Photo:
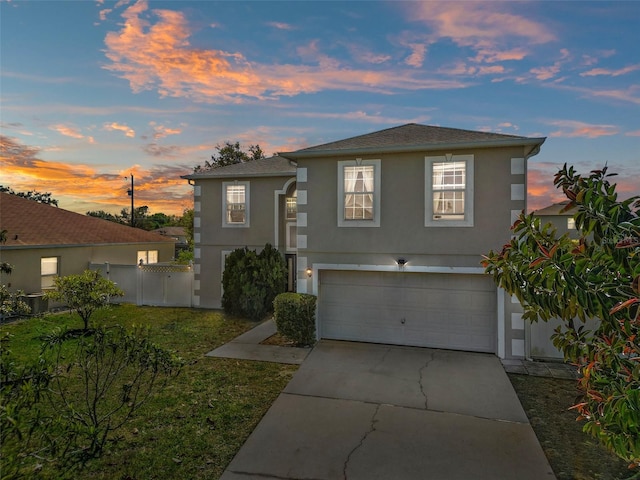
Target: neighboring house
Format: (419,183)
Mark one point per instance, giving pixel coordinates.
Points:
(539,333)
(178,234)
(43,241)
(387,229)
(562,220)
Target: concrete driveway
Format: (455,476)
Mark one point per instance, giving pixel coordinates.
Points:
(362,411)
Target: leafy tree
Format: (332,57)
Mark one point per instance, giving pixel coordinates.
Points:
(595,276)
(187,223)
(230,154)
(105,216)
(32,195)
(68,404)
(84,293)
(21,389)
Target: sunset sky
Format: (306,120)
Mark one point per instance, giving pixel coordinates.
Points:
(94,91)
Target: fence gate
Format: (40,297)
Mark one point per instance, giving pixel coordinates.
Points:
(155,284)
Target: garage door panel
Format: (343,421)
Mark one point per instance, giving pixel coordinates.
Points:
(431,310)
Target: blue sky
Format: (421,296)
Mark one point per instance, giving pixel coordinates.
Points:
(92,92)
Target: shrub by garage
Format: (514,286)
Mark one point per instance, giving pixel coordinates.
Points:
(295,317)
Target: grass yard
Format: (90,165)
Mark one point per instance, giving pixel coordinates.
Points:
(192,428)
(573,455)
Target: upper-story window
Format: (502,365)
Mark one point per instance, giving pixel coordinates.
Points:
(571,223)
(359,193)
(449,191)
(292,205)
(235,204)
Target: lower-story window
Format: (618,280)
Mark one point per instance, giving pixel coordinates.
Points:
(147,256)
(48,271)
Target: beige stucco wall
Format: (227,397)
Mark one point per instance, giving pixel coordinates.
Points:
(499,195)
(402,230)
(72,260)
(211,239)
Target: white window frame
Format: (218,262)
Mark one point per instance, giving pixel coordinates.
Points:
(429,221)
(571,223)
(47,272)
(293,198)
(247,202)
(375,221)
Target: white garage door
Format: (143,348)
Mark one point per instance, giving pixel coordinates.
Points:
(435,310)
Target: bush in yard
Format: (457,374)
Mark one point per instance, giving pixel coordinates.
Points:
(21,389)
(295,317)
(94,384)
(251,281)
(594,277)
(84,293)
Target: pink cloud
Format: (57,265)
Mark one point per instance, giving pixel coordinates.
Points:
(611,73)
(67,131)
(487,55)
(160,131)
(159,56)
(572,128)
(416,59)
(478,24)
(114,126)
(281,26)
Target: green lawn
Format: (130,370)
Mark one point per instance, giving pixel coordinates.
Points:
(192,428)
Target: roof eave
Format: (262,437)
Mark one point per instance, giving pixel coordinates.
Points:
(205,176)
(429,147)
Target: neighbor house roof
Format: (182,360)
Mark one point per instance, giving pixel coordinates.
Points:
(415,137)
(170,231)
(274,166)
(556,209)
(29,223)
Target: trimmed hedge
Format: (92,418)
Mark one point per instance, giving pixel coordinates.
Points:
(295,317)
(251,281)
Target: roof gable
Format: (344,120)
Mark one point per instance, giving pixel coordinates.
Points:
(556,209)
(413,137)
(29,223)
(274,166)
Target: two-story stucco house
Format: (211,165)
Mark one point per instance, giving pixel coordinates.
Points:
(387,229)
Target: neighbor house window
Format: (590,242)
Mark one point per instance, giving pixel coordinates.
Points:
(571,223)
(292,205)
(359,193)
(48,271)
(146,257)
(449,191)
(235,201)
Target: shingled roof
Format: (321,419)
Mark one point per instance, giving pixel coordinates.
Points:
(29,223)
(556,209)
(413,137)
(274,166)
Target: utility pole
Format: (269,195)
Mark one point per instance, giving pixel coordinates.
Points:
(130,193)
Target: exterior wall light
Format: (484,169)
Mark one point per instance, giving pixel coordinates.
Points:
(309,272)
(401,263)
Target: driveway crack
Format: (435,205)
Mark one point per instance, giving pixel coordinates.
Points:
(372,428)
(421,381)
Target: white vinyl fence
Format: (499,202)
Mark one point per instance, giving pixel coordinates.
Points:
(165,285)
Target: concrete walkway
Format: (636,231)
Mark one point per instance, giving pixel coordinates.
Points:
(247,347)
(363,411)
